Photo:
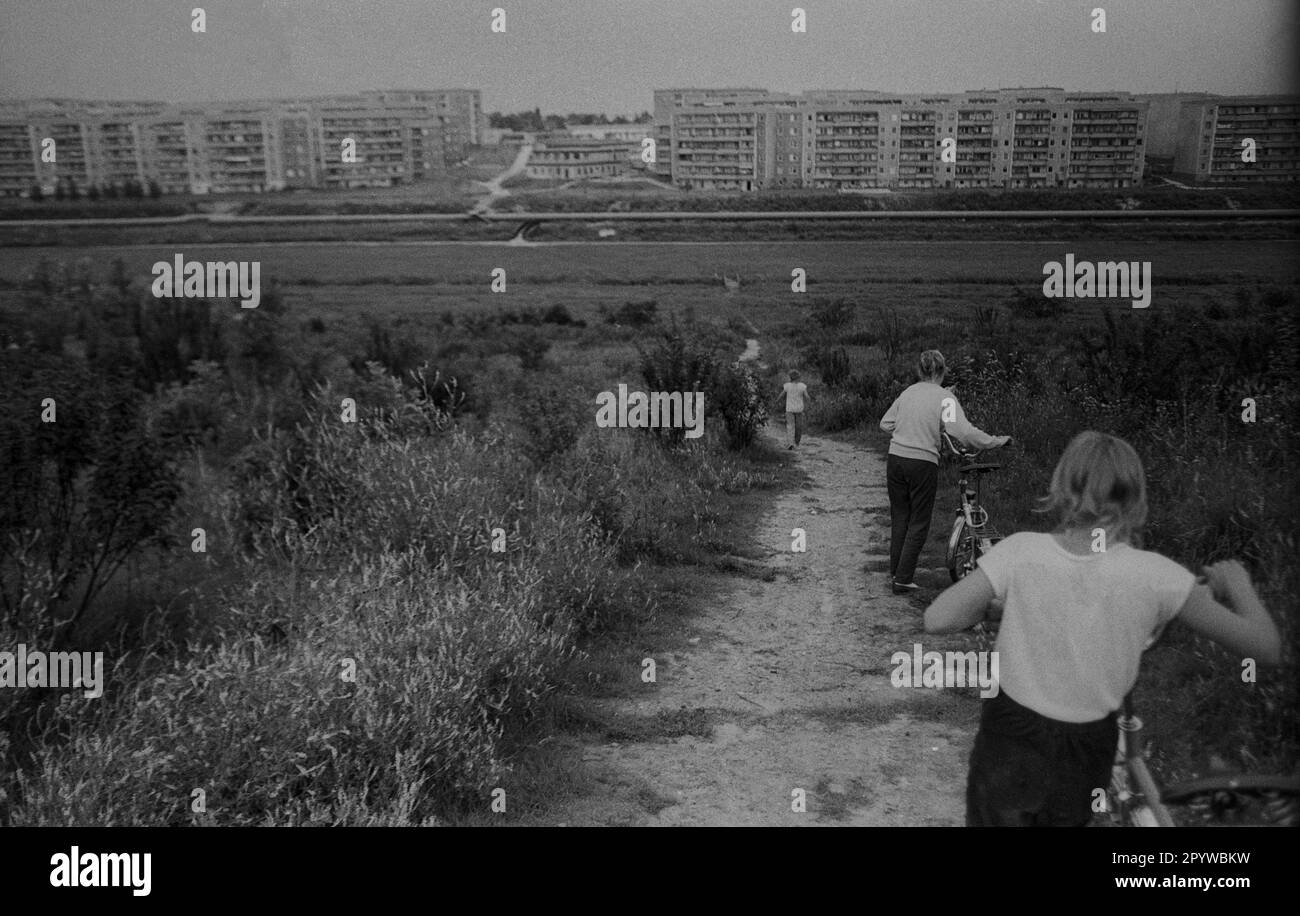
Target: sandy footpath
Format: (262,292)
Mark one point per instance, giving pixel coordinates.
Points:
(786,685)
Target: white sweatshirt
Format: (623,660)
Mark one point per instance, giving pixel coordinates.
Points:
(916,419)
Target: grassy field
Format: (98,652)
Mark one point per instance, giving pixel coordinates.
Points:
(350,283)
(568,325)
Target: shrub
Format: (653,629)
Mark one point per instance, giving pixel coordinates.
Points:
(276,736)
(549,421)
(196,412)
(400,355)
(609,470)
(531,346)
(833,364)
(1032,304)
(80,495)
(739,398)
(677,362)
(891,332)
(860,401)
(637,314)
(559,314)
(833,314)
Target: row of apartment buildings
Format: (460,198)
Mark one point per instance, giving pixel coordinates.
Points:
(371,139)
(714,139)
(751,139)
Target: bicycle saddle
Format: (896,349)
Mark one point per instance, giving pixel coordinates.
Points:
(978,468)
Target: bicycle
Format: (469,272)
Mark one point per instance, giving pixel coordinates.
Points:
(972,535)
(1134,799)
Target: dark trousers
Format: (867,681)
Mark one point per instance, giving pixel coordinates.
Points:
(1027,770)
(911,483)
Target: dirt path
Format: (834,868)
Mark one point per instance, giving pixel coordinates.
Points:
(493,187)
(787,685)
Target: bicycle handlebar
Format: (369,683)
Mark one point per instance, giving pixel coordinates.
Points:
(969,454)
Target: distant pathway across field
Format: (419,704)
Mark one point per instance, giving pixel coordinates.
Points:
(493,187)
(785,684)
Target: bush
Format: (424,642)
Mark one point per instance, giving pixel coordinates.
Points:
(399,355)
(1032,304)
(531,346)
(610,472)
(559,314)
(739,398)
(677,362)
(833,365)
(859,402)
(637,314)
(833,314)
(891,332)
(199,411)
(278,736)
(549,422)
(81,494)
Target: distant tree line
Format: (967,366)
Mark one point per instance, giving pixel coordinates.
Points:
(535,121)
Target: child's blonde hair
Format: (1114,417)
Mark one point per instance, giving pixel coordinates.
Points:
(931,366)
(1099,482)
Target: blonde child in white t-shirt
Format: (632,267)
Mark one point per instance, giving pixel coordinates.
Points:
(796,396)
(1080,605)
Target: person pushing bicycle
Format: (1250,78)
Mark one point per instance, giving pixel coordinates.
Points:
(1080,605)
(917,419)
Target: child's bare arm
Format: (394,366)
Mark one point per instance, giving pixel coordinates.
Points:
(961,606)
(1245,626)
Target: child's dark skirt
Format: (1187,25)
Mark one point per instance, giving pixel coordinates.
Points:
(1031,771)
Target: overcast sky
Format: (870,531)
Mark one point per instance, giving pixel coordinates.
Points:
(608,55)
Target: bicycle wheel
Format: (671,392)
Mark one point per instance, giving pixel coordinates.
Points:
(963,550)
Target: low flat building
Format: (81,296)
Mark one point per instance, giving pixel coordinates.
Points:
(623,133)
(563,159)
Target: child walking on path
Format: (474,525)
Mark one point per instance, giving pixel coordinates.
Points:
(1080,605)
(796,395)
(917,419)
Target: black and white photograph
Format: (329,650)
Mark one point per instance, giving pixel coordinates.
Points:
(585,413)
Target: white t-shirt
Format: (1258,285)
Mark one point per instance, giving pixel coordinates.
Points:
(1074,626)
(794,392)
